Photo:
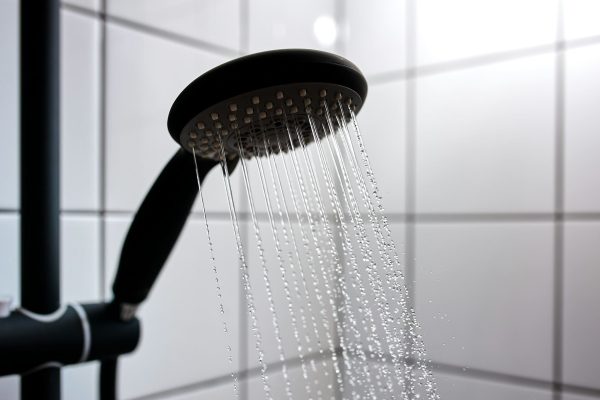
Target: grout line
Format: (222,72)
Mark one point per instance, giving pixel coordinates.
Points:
(102,150)
(154,31)
(434,218)
(558,299)
(244,375)
(478,61)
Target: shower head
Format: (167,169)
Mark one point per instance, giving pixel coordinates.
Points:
(219,115)
(229,106)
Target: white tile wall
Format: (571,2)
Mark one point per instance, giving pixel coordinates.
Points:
(80,63)
(382,124)
(274,24)
(182,341)
(81,382)
(581,319)
(80,258)
(9,104)
(216,22)
(448,31)
(145,74)
(376,35)
(580,18)
(484,295)
(9,387)
(485,138)
(9,248)
(582,92)
(452,387)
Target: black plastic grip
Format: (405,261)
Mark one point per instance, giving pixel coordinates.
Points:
(27,342)
(156,227)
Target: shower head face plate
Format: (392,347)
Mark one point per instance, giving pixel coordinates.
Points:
(261,103)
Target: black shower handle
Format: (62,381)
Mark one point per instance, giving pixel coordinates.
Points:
(156,228)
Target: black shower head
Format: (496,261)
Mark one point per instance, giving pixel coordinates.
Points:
(259,93)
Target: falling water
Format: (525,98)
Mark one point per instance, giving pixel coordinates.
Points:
(221,308)
(352,331)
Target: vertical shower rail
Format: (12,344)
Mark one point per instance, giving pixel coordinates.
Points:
(40,236)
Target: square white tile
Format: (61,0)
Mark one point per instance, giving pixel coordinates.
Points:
(145,74)
(183,341)
(9,104)
(81,382)
(582,124)
(581,321)
(10,250)
(274,24)
(80,259)
(485,138)
(79,152)
(453,387)
(376,35)
(580,18)
(484,295)
(10,387)
(448,31)
(382,124)
(216,23)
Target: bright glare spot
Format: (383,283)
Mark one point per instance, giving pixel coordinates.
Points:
(325,30)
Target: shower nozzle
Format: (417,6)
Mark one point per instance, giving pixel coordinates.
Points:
(223,110)
(233,110)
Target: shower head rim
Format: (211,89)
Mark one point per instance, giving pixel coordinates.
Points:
(258,71)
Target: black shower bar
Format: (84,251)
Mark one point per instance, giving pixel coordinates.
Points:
(41,336)
(40,276)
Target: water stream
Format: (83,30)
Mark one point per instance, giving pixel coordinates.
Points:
(334,289)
